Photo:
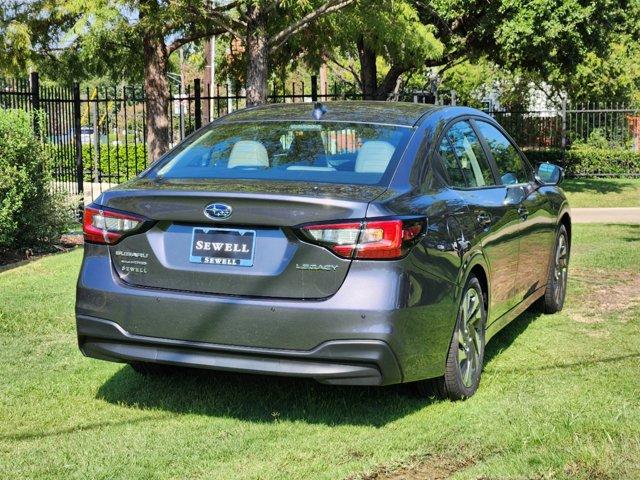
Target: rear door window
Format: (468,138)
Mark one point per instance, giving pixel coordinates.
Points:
(512,169)
(464,145)
(451,165)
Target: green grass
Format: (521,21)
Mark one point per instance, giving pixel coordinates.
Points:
(558,398)
(602,192)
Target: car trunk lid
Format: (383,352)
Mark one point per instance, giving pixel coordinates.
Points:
(254,252)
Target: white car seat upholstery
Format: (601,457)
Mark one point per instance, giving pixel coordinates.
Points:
(374,157)
(248,153)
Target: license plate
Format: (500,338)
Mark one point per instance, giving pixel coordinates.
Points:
(223,246)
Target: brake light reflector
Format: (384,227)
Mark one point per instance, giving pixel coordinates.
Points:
(381,239)
(101,225)
(373,240)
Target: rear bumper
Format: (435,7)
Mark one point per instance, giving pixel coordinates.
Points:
(339,362)
(388,306)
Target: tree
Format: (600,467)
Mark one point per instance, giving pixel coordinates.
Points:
(387,39)
(265,26)
(113,37)
(546,39)
(614,76)
(14,40)
(108,37)
(543,41)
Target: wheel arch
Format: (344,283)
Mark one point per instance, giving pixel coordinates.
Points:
(479,272)
(565,219)
(476,265)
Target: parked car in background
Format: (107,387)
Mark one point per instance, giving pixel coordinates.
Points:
(361,243)
(86,135)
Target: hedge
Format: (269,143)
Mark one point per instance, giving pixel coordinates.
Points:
(597,161)
(587,160)
(117,164)
(31,216)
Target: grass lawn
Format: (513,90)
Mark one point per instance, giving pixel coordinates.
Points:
(558,398)
(602,192)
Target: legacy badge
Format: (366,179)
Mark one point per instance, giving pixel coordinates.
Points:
(313,266)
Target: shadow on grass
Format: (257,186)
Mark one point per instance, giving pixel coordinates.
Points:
(258,398)
(632,229)
(505,337)
(265,399)
(595,185)
(77,428)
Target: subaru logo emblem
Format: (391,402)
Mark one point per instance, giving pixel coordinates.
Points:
(218,211)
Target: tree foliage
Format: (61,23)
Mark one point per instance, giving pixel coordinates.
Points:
(583,47)
(390,30)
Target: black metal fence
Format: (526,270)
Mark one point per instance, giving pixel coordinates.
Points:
(614,122)
(56,127)
(97,138)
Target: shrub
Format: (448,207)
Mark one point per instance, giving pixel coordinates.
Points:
(30,214)
(117,164)
(589,160)
(585,160)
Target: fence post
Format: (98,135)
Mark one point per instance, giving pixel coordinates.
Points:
(96,140)
(77,134)
(35,101)
(453,98)
(563,139)
(314,88)
(198,103)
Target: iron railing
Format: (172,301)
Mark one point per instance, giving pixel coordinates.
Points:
(96,136)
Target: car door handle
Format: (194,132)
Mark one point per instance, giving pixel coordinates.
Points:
(523,212)
(483,219)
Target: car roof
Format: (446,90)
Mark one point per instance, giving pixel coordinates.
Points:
(391,113)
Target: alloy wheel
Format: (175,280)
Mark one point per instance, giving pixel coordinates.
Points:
(470,337)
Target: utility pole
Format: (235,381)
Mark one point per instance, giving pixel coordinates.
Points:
(209,78)
(211,73)
(182,84)
(323,80)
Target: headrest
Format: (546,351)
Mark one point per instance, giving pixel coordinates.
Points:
(248,153)
(374,156)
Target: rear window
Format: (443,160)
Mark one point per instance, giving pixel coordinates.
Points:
(336,152)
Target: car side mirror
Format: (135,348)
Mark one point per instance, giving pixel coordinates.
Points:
(515,195)
(549,174)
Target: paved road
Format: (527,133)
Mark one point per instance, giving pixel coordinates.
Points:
(606,215)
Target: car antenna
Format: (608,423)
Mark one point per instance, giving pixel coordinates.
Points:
(318,110)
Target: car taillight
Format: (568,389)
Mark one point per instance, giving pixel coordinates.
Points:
(369,239)
(101,225)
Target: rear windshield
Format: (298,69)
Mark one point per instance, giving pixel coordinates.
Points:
(336,152)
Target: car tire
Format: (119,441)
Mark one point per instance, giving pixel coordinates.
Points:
(556,291)
(157,369)
(465,357)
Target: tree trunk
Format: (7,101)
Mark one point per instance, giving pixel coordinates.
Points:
(156,90)
(368,70)
(390,82)
(257,57)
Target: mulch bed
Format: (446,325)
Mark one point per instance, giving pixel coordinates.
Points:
(12,258)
